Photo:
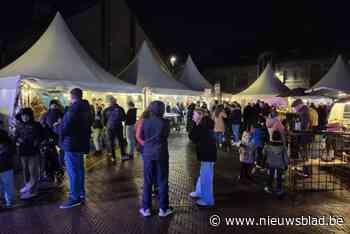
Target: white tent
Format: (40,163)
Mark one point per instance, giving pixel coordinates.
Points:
(56,61)
(193,78)
(336,79)
(266,85)
(147,70)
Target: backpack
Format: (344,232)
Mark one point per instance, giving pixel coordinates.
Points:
(115,117)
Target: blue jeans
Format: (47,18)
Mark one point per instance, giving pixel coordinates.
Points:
(7,185)
(131,139)
(279,181)
(235,132)
(219,137)
(162,175)
(76,173)
(205,181)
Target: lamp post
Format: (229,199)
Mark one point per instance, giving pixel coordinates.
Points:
(173,60)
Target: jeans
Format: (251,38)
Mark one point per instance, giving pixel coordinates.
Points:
(131,139)
(76,173)
(162,174)
(205,181)
(219,137)
(7,186)
(235,132)
(114,134)
(31,167)
(272,172)
(97,138)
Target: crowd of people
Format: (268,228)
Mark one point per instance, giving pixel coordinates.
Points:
(58,142)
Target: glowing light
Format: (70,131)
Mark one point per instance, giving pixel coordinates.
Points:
(173,60)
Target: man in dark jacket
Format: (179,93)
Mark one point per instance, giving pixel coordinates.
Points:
(7,184)
(202,135)
(113,118)
(130,128)
(154,132)
(236,118)
(75,132)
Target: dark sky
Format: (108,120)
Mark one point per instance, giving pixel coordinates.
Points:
(222,32)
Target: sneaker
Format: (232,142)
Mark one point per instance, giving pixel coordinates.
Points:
(69,204)
(201,203)
(28,195)
(267,190)
(194,195)
(24,189)
(9,205)
(145,212)
(165,213)
(125,158)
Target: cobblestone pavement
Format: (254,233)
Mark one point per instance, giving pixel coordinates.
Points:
(114,192)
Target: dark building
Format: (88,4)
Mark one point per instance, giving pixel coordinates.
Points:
(106,29)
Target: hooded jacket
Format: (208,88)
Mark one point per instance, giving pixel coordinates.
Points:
(276,155)
(203,136)
(75,129)
(155,132)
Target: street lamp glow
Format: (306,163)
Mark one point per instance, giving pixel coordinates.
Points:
(173,60)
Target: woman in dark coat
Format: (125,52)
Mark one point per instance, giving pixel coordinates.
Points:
(203,136)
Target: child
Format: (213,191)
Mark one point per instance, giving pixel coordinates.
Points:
(28,137)
(6,168)
(203,136)
(246,154)
(277,160)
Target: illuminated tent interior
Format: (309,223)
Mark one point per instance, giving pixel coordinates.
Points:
(147,70)
(266,86)
(52,66)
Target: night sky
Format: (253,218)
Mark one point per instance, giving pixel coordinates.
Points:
(222,32)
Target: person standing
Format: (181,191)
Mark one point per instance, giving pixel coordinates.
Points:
(113,118)
(155,132)
(75,131)
(203,136)
(7,184)
(219,117)
(277,159)
(97,129)
(130,128)
(28,136)
(236,117)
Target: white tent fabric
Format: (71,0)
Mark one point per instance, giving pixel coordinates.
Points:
(337,78)
(192,78)
(146,71)
(57,59)
(266,85)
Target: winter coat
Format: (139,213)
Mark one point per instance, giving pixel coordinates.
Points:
(276,155)
(236,116)
(203,136)
(155,132)
(113,117)
(246,149)
(28,137)
(131,117)
(304,118)
(219,122)
(313,116)
(7,151)
(48,120)
(75,129)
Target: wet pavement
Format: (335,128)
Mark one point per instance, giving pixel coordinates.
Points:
(114,193)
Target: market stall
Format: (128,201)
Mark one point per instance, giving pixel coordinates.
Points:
(265,87)
(55,64)
(148,71)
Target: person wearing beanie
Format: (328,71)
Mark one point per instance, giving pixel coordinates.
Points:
(155,131)
(277,160)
